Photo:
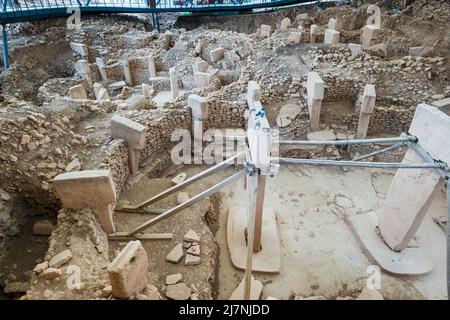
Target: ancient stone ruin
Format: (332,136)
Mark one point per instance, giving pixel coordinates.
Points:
(298,154)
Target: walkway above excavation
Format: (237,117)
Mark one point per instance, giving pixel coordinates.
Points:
(22,10)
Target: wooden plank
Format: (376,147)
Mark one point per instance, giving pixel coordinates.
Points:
(144,236)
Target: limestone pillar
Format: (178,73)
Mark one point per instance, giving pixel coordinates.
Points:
(151,66)
(314,31)
(315,90)
(89,188)
(101,69)
(79,48)
(84,70)
(285,24)
(134,134)
(266,31)
(367,108)
(295,37)
(217,54)
(127,72)
(77,92)
(101,94)
(412,190)
(369,36)
(199,110)
(173,83)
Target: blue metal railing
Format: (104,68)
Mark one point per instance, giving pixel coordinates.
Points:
(25,10)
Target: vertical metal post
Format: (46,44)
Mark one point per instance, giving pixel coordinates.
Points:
(259,212)
(447,180)
(153,19)
(157,22)
(5,49)
(252,188)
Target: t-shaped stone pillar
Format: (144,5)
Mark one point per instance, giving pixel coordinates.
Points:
(367,108)
(79,48)
(266,30)
(134,134)
(101,94)
(331,36)
(369,36)
(89,188)
(151,66)
(315,90)
(127,72)
(285,24)
(128,271)
(412,190)
(314,31)
(101,69)
(82,67)
(199,109)
(173,83)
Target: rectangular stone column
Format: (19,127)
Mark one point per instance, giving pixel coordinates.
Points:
(77,92)
(315,89)
(295,37)
(199,109)
(331,37)
(101,94)
(127,72)
(84,70)
(89,188)
(369,36)
(266,31)
(134,134)
(253,93)
(285,24)
(217,54)
(412,190)
(367,108)
(151,66)
(173,83)
(101,69)
(79,48)
(314,32)
(128,271)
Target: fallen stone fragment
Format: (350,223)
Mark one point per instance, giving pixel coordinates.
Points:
(60,259)
(51,273)
(176,254)
(179,178)
(173,278)
(73,165)
(43,227)
(40,267)
(370,294)
(178,292)
(182,197)
(17,287)
(191,236)
(192,260)
(194,250)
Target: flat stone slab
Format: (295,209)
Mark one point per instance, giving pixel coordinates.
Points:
(287,113)
(176,254)
(60,259)
(324,135)
(178,291)
(191,236)
(255,290)
(174,278)
(192,260)
(269,258)
(409,261)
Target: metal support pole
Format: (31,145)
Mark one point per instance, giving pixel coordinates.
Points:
(403,138)
(157,23)
(260,192)
(5,49)
(184,205)
(365,156)
(448,237)
(384,165)
(252,184)
(184,184)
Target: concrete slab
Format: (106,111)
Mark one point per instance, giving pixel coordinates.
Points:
(410,261)
(255,290)
(269,258)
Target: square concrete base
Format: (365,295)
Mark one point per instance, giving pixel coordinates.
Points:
(269,258)
(255,290)
(409,261)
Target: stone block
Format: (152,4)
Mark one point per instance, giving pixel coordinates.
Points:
(77,92)
(285,24)
(266,30)
(331,36)
(128,271)
(198,106)
(217,54)
(132,132)
(79,48)
(295,37)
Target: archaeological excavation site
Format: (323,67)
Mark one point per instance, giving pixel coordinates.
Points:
(224,150)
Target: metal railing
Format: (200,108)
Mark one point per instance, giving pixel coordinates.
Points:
(23,10)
